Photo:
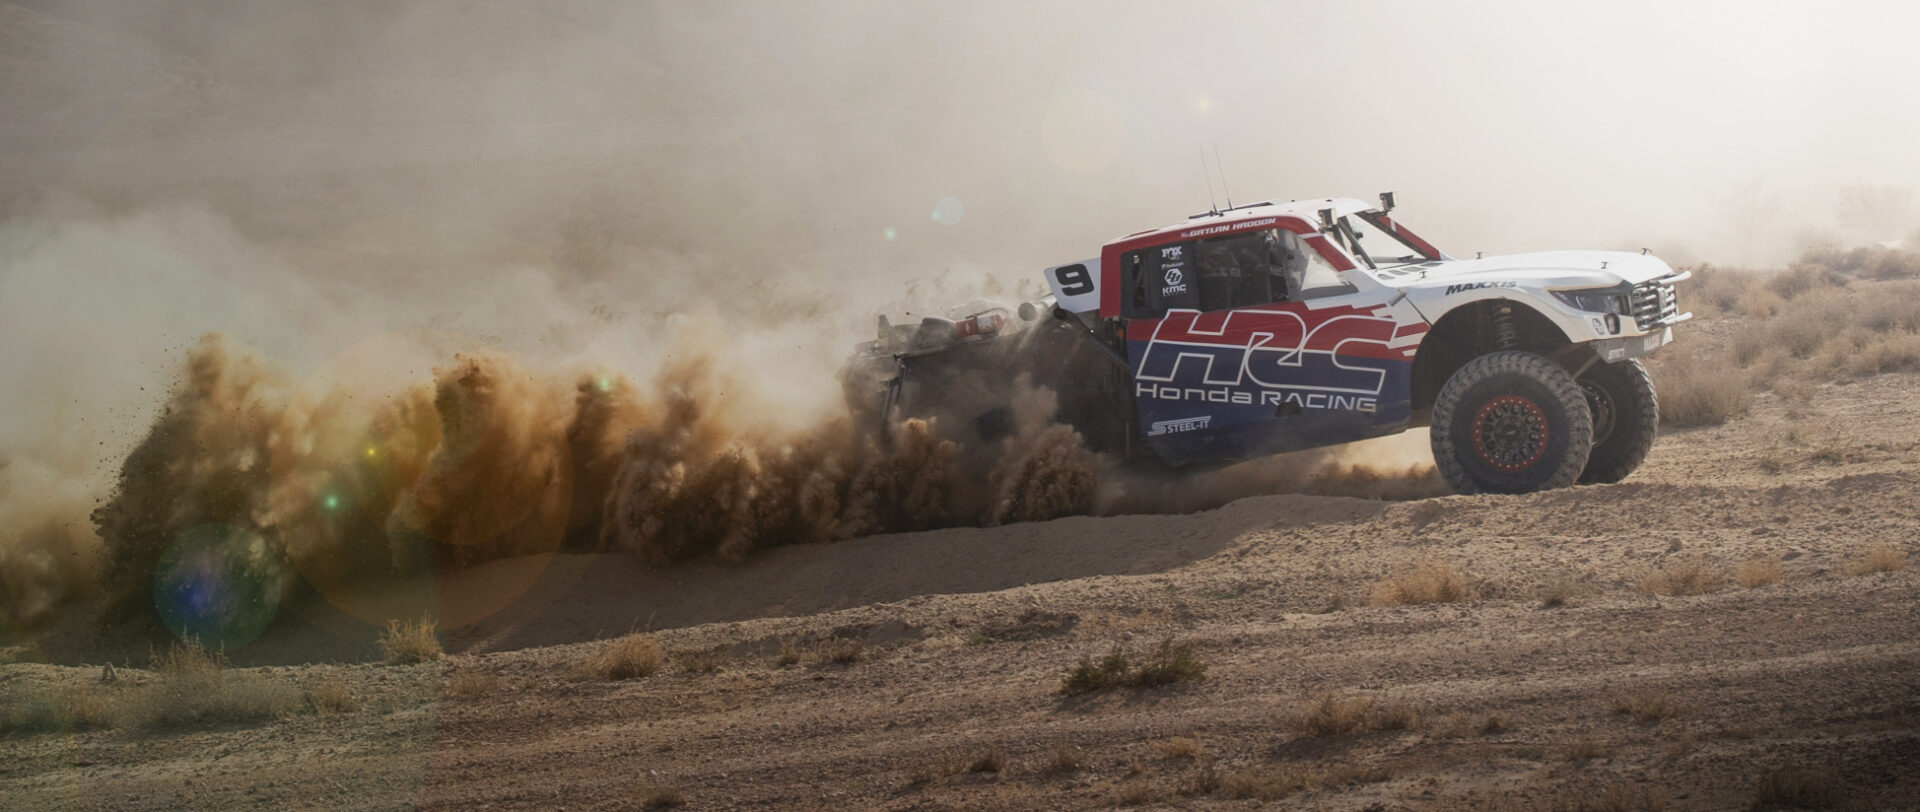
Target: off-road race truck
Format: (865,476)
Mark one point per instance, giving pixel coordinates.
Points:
(1282,326)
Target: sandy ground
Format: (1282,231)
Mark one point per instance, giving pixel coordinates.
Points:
(968,634)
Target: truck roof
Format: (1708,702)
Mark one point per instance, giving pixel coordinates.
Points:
(1307,212)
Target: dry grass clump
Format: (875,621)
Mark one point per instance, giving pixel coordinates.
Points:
(1273,783)
(332,695)
(1620,798)
(472,684)
(1181,747)
(194,687)
(48,710)
(789,654)
(635,655)
(412,641)
(1758,572)
(1879,559)
(1585,750)
(990,759)
(1169,663)
(701,661)
(839,651)
(1429,582)
(1648,704)
(1684,576)
(1790,788)
(1063,760)
(1697,393)
(650,795)
(1337,713)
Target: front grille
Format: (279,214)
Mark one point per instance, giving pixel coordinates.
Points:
(1654,304)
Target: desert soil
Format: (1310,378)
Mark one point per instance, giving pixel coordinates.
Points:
(968,633)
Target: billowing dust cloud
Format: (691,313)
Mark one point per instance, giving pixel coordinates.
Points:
(491,459)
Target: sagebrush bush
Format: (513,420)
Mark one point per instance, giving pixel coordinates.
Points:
(194,687)
(1879,559)
(411,641)
(1428,582)
(1696,393)
(635,655)
(1758,572)
(1336,713)
(1171,662)
(1683,576)
(48,710)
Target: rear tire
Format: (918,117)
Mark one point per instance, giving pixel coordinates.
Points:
(1626,416)
(1511,422)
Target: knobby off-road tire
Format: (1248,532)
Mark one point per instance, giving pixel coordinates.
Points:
(1511,422)
(1626,416)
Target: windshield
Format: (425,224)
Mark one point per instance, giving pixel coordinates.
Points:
(1378,247)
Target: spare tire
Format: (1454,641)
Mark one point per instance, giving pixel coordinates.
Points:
(1626,416)
(1511,422)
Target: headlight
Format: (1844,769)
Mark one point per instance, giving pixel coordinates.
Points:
(1601,300)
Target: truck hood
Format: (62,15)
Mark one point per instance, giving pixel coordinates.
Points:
(1555,270)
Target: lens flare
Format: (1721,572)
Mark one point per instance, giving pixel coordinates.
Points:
(948,211)
(218,586)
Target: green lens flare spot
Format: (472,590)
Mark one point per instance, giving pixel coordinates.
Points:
(332,502)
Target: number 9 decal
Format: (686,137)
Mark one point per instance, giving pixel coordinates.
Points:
(1074,279)
(1076,285)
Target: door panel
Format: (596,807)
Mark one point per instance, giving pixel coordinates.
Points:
(1217,387)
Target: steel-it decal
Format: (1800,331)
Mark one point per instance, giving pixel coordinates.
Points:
(1180,425)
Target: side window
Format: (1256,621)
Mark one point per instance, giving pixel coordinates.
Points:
(1242,270)
(1309,275)
(1159,279)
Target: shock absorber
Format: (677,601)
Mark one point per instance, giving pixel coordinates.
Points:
(1505,335)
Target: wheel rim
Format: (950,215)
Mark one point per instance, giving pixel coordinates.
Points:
(1510,433)
(1601,404)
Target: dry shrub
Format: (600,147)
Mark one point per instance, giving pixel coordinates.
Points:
(991,760)
(1561,593)
(1879,559)
(1621,798)
(1648,704)
(1169,663)
(194,687)
(1349,775)
(1790,788)
(635,655)
(1685,745)
(789,654)
(1336,713)
(650,795)
(1141,793)
(839,651)
(1686,576)
(1429,582)
(1181,747)
(1699,393)
(1585,750)
(1716,291)
(701,661)
(472,684)
(1264,783)
(1758,572)
(409,642)
(332,695)
(48,710)
(1063,760)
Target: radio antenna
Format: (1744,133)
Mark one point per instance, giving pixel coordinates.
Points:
(1223,172)
(1211,205)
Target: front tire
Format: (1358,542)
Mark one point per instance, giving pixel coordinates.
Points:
(1626,416)
(1511,422)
